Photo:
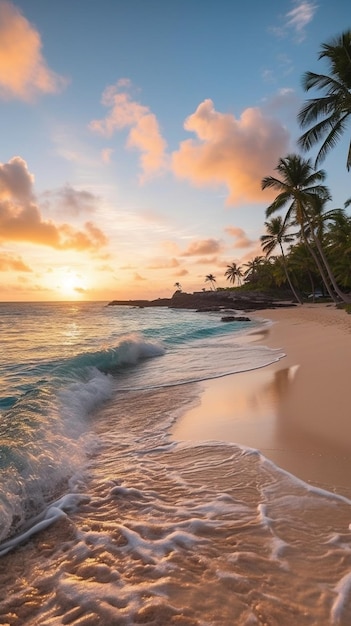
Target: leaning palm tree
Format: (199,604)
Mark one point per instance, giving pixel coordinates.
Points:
(319,218)
(211,279)
(234,273)
(329,114)
(300,187)
(178,286)
(277,235)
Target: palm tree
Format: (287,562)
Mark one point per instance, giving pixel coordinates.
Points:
(178,286)
(301,262)
(300,186)
(233,273)
(338,246)
(276,236)
(331,113)
(253,266)
(211,279)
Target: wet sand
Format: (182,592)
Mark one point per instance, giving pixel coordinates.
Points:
(297,411)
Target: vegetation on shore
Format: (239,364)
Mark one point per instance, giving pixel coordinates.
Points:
(314,242)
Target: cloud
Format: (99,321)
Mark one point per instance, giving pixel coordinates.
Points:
(300,16)
(8,262)
(144,134)
(106,155)
(160,264)
(204,246)
(23,70)
(241,239)
(21,219)
(296,20)
(91,238)
(138,278)
(15,180)
(206,261)
(127,267)
(234,152)
(284,99)
(72,201)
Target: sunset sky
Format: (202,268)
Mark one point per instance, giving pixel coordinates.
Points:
(135,135)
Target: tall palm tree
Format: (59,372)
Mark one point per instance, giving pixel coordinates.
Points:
(178,286)
(300,187)
(234,273)
(277,235)
(211,279)
(329,114)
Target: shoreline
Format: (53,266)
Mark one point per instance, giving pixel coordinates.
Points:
(295,411)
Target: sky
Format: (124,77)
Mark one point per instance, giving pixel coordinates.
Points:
(135,135)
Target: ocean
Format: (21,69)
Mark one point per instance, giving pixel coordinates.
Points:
(105,519)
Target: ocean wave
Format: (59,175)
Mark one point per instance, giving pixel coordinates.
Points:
(45,435)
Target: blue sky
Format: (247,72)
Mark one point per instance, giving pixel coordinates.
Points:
(135,135)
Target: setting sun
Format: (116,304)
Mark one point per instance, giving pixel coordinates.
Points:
(69,283)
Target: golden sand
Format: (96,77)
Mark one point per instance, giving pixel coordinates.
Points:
(297,411)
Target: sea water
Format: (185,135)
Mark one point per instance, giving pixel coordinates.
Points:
(106,520)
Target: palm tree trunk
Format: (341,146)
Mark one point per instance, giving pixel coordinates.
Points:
(344,297)
(288,277)
(319,265)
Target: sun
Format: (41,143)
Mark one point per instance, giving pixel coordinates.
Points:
(71,284)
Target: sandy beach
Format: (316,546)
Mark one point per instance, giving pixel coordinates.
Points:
(297,411)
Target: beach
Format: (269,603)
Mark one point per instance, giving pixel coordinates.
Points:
(295,411)
(162,467)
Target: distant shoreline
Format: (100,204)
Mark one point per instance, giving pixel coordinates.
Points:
(210,300)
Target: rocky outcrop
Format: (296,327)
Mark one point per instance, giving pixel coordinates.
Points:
(210,301)
(234,318)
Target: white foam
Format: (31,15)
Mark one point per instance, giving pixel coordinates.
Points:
(57,510)
(342,600)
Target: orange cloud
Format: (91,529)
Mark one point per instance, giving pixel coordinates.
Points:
(23,70)
(206,261)
(92,238)
(234,152)
(21,220)
(137,277)
(241,239)
(163,264)
(205,246)
(144,134)
(8,262)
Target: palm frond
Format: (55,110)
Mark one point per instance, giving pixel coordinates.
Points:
(270,181)
(279,202)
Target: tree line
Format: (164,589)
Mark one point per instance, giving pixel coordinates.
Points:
(317,240)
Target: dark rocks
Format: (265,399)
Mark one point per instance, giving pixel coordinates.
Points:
(209,301)
(234,318)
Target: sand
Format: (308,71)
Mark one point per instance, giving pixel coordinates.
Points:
(297,411)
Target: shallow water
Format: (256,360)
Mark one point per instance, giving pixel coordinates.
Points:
(144,529)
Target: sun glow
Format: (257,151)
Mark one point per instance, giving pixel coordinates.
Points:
(70,283)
